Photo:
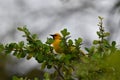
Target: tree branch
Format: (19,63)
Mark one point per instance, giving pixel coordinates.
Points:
(58,70)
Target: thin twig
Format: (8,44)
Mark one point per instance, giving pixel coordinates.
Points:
(58,70)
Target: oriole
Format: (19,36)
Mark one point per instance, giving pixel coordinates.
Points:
(56,43)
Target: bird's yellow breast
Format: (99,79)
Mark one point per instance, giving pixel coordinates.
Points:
(56,45)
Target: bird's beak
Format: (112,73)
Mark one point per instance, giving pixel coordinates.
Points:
(52,35)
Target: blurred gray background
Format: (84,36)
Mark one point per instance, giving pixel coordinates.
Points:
(45,17)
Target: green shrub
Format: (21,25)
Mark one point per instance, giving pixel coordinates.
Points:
(101,62)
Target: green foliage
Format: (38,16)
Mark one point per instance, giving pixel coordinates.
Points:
(1,48)
(101,62)
(65,32)
(21,78)
(104,47)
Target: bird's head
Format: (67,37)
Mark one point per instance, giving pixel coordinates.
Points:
(56,36)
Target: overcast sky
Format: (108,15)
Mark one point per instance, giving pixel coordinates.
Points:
(45,17)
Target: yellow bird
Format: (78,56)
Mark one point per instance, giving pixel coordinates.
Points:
(56,43)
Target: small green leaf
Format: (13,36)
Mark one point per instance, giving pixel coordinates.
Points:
(68,56)
(15,78)
(87,49)
(19,55)
(96,42)
(106,34)
(26,31)
(96,56)
(100,17)
(1,47)
(43,65)
(113,43)
(70,42)
(20,29)
(49,41)
(40,57)
(35,36)
(78,42)
(15,53)
(36,78)
(29,56)
(47,76)
(99,34)
(49,66)
(65,32)
(21,44)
